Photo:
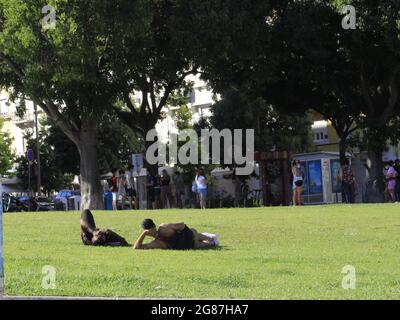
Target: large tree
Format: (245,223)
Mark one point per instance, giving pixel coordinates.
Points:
(374,50)
(181,37)
(351,76)
(315,71)
(155,67)
(68,70)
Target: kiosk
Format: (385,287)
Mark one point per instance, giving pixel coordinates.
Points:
(320,171)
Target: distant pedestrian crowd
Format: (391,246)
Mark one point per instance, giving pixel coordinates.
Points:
(122,187)
(390,184)
(345,177)
(166,192)
(162,191)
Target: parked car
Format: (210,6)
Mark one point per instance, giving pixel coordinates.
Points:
(13,204)
(36,204)
(62,198)
(45,204)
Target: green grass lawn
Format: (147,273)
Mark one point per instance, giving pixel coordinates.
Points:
(266,253)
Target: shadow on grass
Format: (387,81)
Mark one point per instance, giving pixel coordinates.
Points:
(219,248)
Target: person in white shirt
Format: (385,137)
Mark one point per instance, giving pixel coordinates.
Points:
(122,182)
(201,184)
(130,189)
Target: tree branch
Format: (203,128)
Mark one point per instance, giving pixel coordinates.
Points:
(49,108)
(14,67)
(365,93)
(153,97)
(129,120)
(52,111)
(167,93)
(394,95)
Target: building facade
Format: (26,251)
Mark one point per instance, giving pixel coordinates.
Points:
(16,125)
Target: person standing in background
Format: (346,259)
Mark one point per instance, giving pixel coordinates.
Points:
(166,194)
(238,188)
(391,175)
(130,188)
(157,192)
(298,181)
(150,190)
(114,188)
(122,186)
(179,189)
(397,189)
(201,185)
(346,176)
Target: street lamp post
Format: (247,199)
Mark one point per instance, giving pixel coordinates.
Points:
(39,176)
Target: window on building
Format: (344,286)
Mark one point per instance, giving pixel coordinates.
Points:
(3,107)
(320,132)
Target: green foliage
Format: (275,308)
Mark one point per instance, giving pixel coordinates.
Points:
(302,58)
(74,72)
(53,178)
(183,117)
(273,129)
(6,152)
(64,64)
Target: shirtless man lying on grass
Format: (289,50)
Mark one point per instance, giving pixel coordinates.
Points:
(175,236)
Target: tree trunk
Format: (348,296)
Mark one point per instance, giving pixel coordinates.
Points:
(376,174)
(152,168)
(342,149)
(91,190)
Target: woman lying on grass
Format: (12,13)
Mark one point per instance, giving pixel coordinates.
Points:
(175,236)
(92,236)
